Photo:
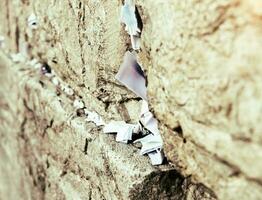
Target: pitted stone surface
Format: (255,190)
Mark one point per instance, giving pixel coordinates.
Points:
(203,64)
(47,152)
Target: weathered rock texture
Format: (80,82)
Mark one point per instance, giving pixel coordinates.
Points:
(203,64)
(48,152)
(204,75)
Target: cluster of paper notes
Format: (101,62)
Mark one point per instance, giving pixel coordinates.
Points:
(131,75)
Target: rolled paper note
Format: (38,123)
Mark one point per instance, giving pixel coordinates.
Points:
(124,131)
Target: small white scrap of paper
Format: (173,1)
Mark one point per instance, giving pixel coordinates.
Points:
(128,17)
(150,143)
(67,89)
(148,120)
(55,81)
(78,103)
(124,131)
(32,21)
(94,117)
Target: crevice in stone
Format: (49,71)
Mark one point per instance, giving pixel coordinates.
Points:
(139,20)
(17,35)
(8,18)
(86,146)
(178,130)
(47,127)
(81,23)
(172,184)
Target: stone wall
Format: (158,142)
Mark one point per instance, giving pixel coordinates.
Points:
(202,61)
(204,73)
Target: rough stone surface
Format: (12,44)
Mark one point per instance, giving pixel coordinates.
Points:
(204,79)
(203,64)
(48,152)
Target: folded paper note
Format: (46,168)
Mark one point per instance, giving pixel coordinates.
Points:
(131,75)
(147,119)
(125,134)
(150,143)
(156,157)
(128,17)
(113,126)
(124,131)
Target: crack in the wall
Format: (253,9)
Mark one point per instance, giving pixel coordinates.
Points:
(17,35)
(81,25)
(215,25)
(48,126)
(8,18)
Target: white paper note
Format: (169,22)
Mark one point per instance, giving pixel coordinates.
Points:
(131,75)
(128,17)
(32,21)
(156,157)
(150,143)
(95,118)
(124,134)
(78,104)
(113,126)
(123,130)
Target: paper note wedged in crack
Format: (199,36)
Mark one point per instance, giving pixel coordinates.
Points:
(131,75)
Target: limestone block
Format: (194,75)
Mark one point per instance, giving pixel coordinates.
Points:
(83,41)
(54,154)
(203,61)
